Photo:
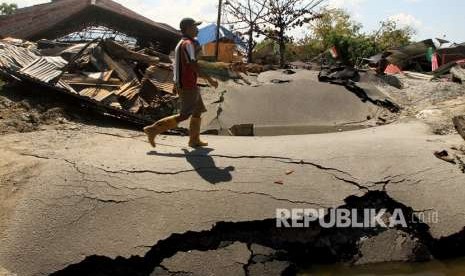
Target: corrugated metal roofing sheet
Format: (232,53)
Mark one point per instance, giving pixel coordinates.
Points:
(98,94)
(14,57)
(162,78)
(45,68)
(26,65)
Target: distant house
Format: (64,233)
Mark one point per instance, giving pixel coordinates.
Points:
(230,46)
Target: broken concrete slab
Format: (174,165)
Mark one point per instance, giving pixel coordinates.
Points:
(4,272)
(273,268)
(72,185)
(458,73)
(314,105)
(397,246)
(229,260)
(459,123)
(268,76)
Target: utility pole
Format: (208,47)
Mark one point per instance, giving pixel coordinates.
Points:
(218,24)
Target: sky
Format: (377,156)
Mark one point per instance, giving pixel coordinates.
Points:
(430,18)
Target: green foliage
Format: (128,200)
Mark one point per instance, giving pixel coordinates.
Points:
(336,28)
(7,9)
(266,51)
(333,24)
(285,15)
(391,36)
(352,49)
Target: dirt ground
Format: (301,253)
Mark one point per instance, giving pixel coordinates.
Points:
(26,109)
(433,102)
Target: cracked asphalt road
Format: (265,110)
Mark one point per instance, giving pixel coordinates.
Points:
(69,194)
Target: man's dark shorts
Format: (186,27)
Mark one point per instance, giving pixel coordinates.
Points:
(191,102)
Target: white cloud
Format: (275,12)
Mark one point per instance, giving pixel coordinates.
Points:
(172,11)
(404,19)
(345,3)
(25,3)
(352,6)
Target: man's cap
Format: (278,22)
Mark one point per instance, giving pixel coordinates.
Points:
(188,22)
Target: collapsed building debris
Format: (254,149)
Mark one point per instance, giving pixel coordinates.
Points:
(428,59)
(59,18)
(103,74)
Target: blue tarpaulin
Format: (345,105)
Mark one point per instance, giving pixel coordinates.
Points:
(208,34)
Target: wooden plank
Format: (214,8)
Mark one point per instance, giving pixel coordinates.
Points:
(120,52)
(122,68)
(95,84)
(108,74)
(163,57)
(79,79)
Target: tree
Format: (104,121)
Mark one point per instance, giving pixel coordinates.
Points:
(285,15)
(334,23)
(390,35)
(335,27)
(247,15)
(7,9)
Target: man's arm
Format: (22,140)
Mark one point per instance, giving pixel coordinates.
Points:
(192,59)
(204,75)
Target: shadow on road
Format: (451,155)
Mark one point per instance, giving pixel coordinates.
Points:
(203,163)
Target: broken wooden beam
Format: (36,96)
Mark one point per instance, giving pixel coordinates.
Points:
(121,67)
(163,57)
(120,52)
(76,79)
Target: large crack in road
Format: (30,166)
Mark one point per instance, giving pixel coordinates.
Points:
(91,189)
(296,246)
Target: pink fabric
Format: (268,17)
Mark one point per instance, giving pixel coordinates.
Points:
(392,70)
(434,62)
(334,52)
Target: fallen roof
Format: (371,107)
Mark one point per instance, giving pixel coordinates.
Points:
(62,17)
(404,54)
(451,54)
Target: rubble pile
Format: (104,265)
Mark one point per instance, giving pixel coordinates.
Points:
(112,78)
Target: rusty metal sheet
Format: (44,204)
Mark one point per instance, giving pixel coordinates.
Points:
(64,85)
(162,78)
(129,90)
(98,94)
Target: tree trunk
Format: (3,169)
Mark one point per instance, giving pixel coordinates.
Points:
(282,48)
(250,45)
(282,52)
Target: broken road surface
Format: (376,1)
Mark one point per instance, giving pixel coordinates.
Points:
(68,195)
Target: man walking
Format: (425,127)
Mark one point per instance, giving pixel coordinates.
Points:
(186,72)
